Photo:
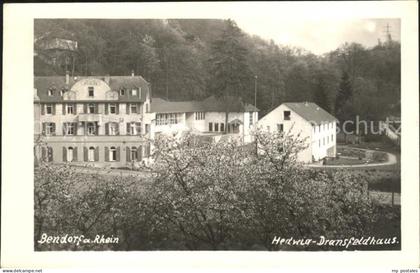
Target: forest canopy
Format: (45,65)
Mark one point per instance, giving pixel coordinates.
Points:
(185,59)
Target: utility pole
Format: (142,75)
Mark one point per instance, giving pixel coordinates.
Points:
(255,91)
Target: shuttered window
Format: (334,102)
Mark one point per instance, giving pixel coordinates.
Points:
(91,154)
(48,128)
(47,154)
(113,154)
(49,109)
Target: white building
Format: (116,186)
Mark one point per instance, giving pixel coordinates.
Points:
(310,122)
(206,117)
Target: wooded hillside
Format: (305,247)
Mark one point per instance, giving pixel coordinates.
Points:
(192,59)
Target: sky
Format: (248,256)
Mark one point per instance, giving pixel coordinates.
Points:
(320,36)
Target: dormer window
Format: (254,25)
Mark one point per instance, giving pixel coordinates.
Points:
(90,91)
(50,92)
(62,91)
(286,115)
(134,92)
(122,92)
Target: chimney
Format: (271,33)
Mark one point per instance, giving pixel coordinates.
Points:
(106,79)
(132,73)
(67,77)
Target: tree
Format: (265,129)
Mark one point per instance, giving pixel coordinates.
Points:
(229,72)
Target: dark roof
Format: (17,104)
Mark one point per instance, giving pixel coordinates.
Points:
(211,104)
(311,112)
(116,83)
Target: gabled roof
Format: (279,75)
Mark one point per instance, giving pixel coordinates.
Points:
(116,83)
(210,104)
(311,112)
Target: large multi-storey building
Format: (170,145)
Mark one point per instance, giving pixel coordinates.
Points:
(98,120)
(106,121)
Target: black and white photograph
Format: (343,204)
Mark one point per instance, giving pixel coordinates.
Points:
(192,134)
(217,133)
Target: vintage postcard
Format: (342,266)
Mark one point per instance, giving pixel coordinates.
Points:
(208,131)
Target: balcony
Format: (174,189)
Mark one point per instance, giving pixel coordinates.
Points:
(100,118)
(90,117)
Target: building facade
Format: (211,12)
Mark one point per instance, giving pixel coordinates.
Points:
(307,121)
(92,120)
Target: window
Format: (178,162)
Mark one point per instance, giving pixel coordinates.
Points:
(147,108)
(91,128)
(51,92)
(222,127)
(134,128)
(280,128)
(49,128)
(122,92)
(49,109)
(133,154)
(133,108)
(173,118)
(91,154)
(332,137)
(91,108)
(90,91)
(251,118)
(47,154)
(210,127)
(62,92)
(200,115)
(134,92)
(216,127)
(113,128)
(70,154)
(286,115)
(70,109)
(113,108)
(147,128)
(113,154)
(69,128)
(165,119)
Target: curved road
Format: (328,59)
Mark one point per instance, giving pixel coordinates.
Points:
(392,159)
